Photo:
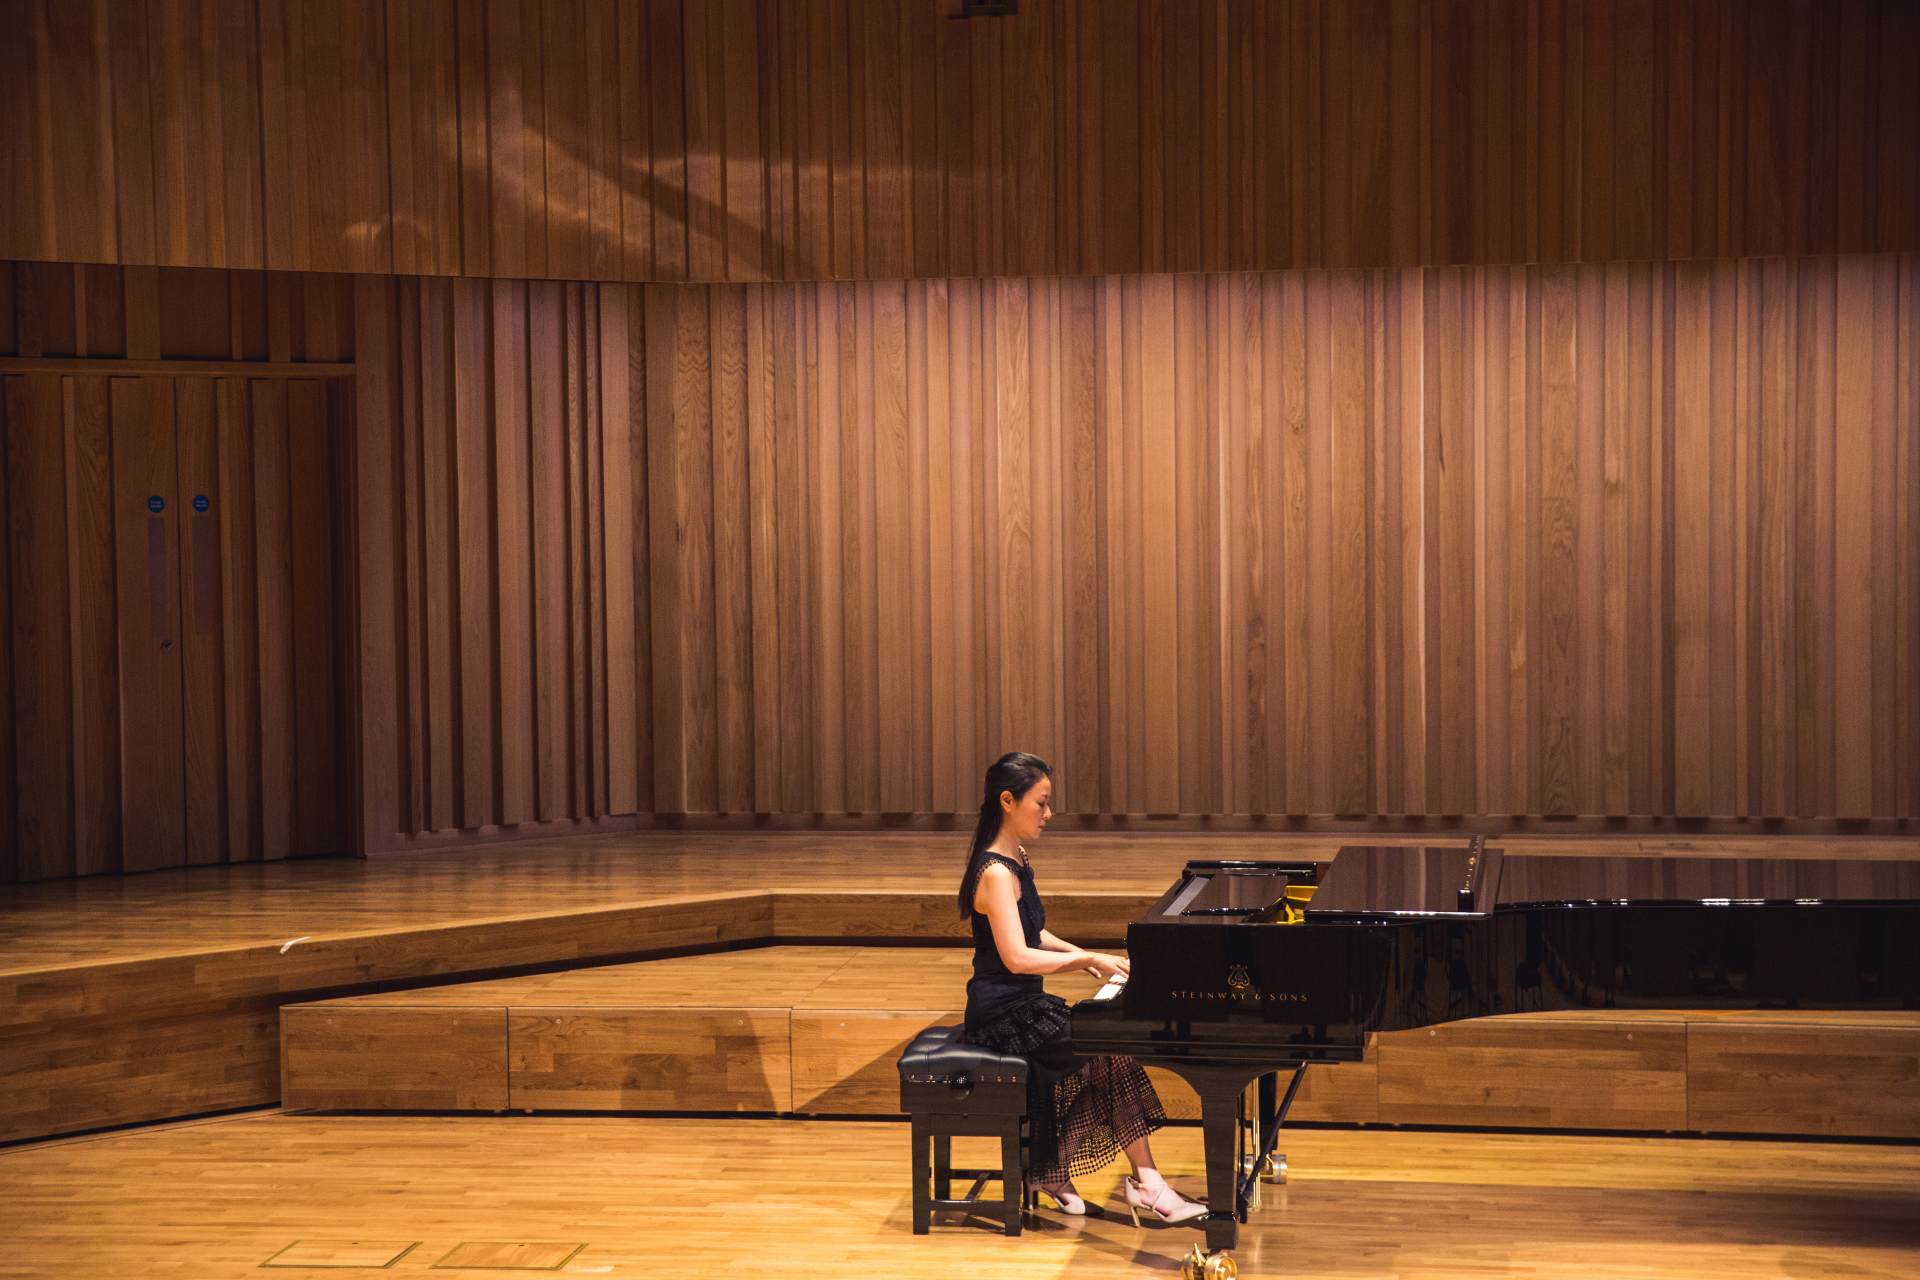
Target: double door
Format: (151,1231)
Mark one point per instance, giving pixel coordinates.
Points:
(174,638)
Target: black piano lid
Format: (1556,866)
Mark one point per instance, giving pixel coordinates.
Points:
(1384,882)
(1547,880)
(1369,881)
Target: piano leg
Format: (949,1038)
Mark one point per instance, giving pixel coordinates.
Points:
(1222,1091)
(1219,1122)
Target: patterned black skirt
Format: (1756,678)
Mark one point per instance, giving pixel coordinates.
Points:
(1081,1111)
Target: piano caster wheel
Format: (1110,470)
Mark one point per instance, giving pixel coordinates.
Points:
(1274,1169)
(1203,1266)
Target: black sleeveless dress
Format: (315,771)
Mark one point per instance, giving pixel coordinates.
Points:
(1082,1111)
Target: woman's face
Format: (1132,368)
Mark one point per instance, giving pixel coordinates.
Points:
(1028,816)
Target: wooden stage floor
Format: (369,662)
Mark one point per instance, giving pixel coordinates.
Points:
(788,1198)
(116,919)
(144,997)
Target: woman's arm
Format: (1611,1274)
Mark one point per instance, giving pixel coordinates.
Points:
(996,896)
(1117,964)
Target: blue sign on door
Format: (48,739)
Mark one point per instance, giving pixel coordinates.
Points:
(156,504)
(200,502)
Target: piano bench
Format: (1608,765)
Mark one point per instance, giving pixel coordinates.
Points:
(951,1090)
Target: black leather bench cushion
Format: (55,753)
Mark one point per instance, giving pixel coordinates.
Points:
(937,1054)
(937,1073)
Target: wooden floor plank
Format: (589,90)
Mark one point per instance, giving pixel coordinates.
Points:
(652,1197)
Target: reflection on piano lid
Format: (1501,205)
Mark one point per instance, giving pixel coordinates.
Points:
(1379,882)
(1238,890)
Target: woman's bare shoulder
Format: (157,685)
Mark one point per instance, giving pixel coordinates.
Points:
(995,878)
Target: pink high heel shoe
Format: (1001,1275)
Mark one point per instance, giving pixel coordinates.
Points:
(1166,1205)
(1065,1199)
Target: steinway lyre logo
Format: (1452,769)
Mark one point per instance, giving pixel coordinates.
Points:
(1237,978)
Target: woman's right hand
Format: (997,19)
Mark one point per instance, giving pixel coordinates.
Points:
(1105,966)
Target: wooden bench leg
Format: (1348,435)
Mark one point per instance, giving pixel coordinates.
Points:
(942,1167)
(922,1201)
(1013,1185)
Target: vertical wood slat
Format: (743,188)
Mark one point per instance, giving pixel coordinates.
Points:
(441,653)
(273,534)
(234,492)
(664,710)
(505,475)
(41,749)
(473,468)
(376,568)
(732,584)
(548,422)
(12,405)
(311,427)
(96,694)
(581,570)
(763,548)
(619,399)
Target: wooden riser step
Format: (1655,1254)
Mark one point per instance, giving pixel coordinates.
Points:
(817,1029)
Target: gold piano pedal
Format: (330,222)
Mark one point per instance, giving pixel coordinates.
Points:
(1274,1168)
(1208,1266)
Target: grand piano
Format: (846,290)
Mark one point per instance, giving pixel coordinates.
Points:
(1247,971)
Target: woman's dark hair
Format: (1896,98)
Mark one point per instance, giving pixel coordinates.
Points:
(1014,772)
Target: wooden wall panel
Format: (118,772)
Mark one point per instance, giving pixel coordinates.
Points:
(1534,1072)
(57,310)
(173,666)
(42,831)
(1627,539)
(564,1059)
(1805,1078)
(738,141)
(1555,540)
(501,555)
(348,1058)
